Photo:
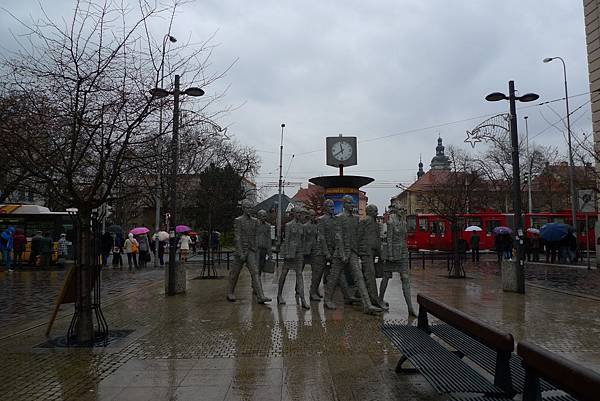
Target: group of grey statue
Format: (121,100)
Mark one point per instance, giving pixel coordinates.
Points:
(340,248)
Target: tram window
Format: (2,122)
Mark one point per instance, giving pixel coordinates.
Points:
(411,224)
(491,224)
(423,225)
(437,227)
(559,220)
(538,222)
(473,221)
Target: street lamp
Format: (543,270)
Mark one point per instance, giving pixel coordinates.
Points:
(530,166)
(158,192)
(160,93)
(571,165)
(514,139)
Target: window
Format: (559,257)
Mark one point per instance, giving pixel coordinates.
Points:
(491,224)
(423,224)
(473,221)
(437,227)
(411,224)
(538,221)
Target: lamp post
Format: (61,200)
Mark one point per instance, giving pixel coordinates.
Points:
(158,192)
(160,93)
(514,139)
(279,197)
(529,167)
(571,166)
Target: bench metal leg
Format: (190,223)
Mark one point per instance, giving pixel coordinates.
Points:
(399,369)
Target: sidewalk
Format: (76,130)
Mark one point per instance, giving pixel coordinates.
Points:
(198,346)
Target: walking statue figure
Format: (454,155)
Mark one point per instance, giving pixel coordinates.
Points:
(245,254)
(293,255)
(325,245)
(263,240)
(369,246)
(397,256)
(346,256)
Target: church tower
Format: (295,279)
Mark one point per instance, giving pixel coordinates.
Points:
(440,161)
(420,173)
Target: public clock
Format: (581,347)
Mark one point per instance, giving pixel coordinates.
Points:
(341,151)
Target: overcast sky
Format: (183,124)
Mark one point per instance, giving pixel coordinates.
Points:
(403,70)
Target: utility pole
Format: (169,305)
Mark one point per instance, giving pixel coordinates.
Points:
(279,197)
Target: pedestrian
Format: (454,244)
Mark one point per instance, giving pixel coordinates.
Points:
(184,247)
(527,246)
(161,252)
(6,245)
(19,243)
(106,244)
(46,251)
(144,250)
(117,250)
(535,247)
(131,249)
(63,250)
(36,248)
(475,246)
(572,248)
(498,246)
(508,247)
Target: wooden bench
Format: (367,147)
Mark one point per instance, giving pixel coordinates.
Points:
(444,369)
(578,382)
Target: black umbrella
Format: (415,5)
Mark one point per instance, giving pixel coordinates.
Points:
(114,229)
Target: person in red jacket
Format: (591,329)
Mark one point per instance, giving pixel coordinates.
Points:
(19,242)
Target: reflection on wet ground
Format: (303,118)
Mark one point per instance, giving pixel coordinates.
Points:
(198,346)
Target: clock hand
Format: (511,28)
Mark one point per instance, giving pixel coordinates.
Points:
(338,153)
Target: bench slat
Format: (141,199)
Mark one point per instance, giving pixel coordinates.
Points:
(445,371)
(483,355)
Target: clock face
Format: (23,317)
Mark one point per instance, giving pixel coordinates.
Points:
(341,150)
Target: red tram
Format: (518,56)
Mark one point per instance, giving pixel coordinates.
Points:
(432,232)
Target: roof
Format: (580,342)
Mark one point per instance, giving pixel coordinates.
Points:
(271,203)
(304,194)
(23,209)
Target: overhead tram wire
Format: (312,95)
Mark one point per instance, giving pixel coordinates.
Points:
(413,130)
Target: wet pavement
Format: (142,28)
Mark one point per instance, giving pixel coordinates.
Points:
(198,346)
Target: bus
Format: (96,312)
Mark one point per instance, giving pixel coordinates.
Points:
(33,218)
(433,232)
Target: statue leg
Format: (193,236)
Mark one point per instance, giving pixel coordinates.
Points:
(382,287)
(406,290)
(359,280)
(282,276)
(368,270)
(234,274)
(252,264)
(349,297)
(316,276)
(332,282)
(300,286)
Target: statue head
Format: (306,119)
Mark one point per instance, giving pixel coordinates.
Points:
(246,206)
(348,204)
(329,206)
(262,215)
(310,215)
(371,210)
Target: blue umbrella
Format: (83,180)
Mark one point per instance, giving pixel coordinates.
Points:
(554,231)
(501,230)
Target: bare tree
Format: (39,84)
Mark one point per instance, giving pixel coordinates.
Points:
(86,110)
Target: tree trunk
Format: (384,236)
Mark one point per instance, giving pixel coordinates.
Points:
(84,330)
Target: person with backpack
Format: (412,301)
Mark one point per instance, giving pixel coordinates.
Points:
(117,250)
(131,249)
(144,250)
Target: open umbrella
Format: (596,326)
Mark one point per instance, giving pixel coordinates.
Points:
(182,228)
(162,235)
(139,231)
(501,230)
(554,231)
(114,229)
(533,230)
(473,228)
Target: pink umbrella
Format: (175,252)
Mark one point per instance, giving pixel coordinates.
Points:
(139,231)
(182,228)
